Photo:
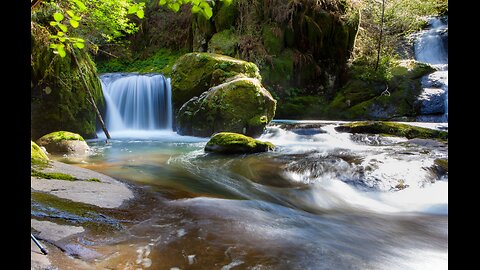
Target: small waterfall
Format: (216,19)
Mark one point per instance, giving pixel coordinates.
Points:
(430,48)
(137,102)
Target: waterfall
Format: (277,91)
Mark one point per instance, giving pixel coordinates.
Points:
(430,48)
(137,102)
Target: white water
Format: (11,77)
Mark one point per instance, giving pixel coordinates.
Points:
(389,163)
(137,104)
(429,49)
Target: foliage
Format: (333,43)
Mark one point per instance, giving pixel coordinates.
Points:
(402,17)
(160,62)
(198,6)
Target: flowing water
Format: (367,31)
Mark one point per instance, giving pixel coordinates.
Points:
(430,48)
(321,200)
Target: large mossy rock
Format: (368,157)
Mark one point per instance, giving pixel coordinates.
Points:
(195,73)
(239,105)
(58,97)
(37,155)
(392,128)
(64,142)
(234,143)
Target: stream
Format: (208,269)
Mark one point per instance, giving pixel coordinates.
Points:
(321,200)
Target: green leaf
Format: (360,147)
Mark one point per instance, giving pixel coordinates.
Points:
(195,9)
(53,36)
(140,14)
(175,7)
(79,45)
(63,27)
(203,5)
(58,16)
(195,2)
(70,13)
(60,34)
(62,39)
(207,11)
(53,23)
(53,46)
(76,18)
(73,23)
(162,2)
(227,2)
(80,5)
(61,52)
(132,9)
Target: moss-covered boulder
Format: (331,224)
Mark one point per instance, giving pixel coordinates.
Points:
(37,156)
(239,105)
(234,143)
(195,73)
(64,142)
(392,128)
(58,97)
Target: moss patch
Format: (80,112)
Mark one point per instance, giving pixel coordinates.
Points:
(52,175)
(37,156)
(193,74)
(234,143)
(224,42)
(58,136)
(392,128)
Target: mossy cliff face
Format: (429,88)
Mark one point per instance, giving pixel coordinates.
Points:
(234,143)
(295,43)
(372,98)
(239,105)
(195,73)
(58,97)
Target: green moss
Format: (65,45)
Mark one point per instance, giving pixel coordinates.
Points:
(392,128)
(225,17)
(52,175)
(282,70)
(58,97)
(231,143)
(37,153)
(240,105)
(302,107)
(224,42)
(161,61)
(58,136)
(193,72)
(93,180)
(443,163)
(64,211)
(273,39)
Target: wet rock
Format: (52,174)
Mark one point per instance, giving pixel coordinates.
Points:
(234,143)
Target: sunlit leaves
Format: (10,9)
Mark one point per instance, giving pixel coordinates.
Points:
(137,9)
(61,39)
(198,6)
(58,16)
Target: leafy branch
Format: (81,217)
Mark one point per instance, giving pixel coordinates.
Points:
(198,6)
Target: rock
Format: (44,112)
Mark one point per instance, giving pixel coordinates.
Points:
(37,153)
(195,73)
(392,128)
(64,142)
(58,97)
(234,143)
(239,105)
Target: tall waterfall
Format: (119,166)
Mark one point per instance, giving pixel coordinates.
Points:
(430,48)
(137,102)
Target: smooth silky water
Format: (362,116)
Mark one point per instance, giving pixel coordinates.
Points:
(321,200)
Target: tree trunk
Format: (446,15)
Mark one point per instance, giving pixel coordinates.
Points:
(90,97)
(381,36)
